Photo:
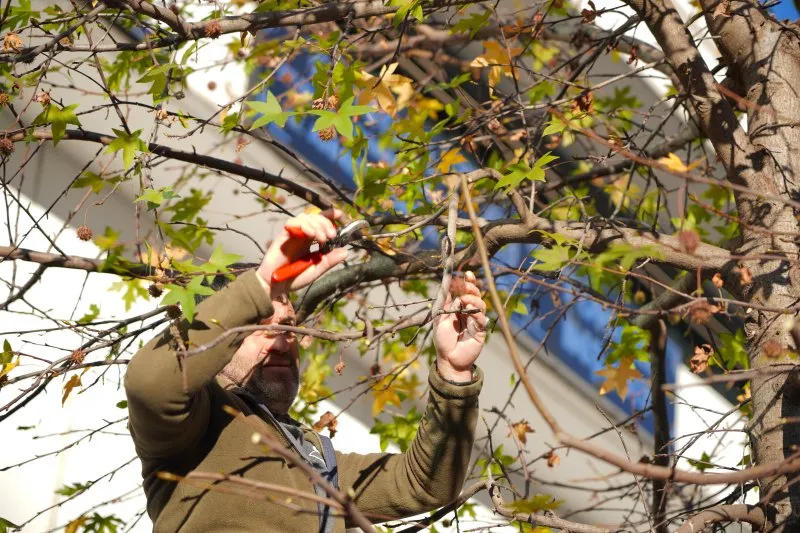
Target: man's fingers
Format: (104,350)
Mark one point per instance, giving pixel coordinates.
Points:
(471,301)
(465,285)
(316,229)
(332,213)
(328,261)
(317,226)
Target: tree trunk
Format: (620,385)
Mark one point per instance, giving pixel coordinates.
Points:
(764,62)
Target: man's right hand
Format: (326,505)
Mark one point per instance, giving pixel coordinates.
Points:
(286,249)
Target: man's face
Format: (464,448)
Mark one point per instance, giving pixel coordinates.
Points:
(267,363)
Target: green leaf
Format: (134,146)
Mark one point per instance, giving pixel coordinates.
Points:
(185,295)
(58,118)
(551,259)
(270,112)
(521,171)
(538,503)
(134,290)
(6,524)
(633,342)
(8,353)
(94,311)
(540,91)
(102,524)
(348,109)
(129,144)
(471,24)
(498,461)
(555,126)
(340,119)
(220,260)
(400,431)
(69,490)
(155,197)
(702,464)
(122,404)
(19,16)
(90,179)
(109,239)
(732,350)
(406,9)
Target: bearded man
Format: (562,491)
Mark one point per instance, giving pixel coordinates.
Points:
(178,423)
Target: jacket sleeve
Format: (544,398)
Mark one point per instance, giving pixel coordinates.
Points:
(430,474)
(165,418)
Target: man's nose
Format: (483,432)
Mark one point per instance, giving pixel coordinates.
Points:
(280,343)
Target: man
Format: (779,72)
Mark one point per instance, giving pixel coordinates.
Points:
(181,427)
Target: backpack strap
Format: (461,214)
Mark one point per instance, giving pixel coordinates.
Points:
(329,454)
(332,475)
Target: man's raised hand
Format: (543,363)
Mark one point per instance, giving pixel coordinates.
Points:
(286,249)
(459,337)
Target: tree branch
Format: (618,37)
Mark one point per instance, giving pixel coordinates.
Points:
(540,519)
(724,513)
(215,163)
(715,115)
(658,364)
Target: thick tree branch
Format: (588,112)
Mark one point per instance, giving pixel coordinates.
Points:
(706,257)
(724,513)
(666,300)
(715,115)
(215,163)
(249,22)
(658,364)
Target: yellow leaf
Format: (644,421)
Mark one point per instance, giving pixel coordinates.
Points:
(499,59)
(74,381)
(73,526)
(5,369)
(452,157)
(676,164)
(617,378)
(385,392)
(385,245)
(431,106)
(381,87)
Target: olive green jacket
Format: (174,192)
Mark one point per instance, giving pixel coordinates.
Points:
(178,430)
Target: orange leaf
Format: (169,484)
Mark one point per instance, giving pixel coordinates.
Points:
(617,378)
(74,381)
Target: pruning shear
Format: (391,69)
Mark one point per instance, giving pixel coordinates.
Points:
(344,236)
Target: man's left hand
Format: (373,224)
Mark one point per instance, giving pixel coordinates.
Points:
(459,337)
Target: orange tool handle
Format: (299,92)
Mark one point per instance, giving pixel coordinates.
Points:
(294,269)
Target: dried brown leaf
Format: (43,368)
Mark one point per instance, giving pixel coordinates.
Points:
(328,420)
(699,361)
(553,459)
(521,429)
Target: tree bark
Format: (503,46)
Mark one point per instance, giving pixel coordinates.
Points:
(763,59)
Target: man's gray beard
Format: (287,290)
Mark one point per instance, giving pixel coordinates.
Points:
(277,396)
